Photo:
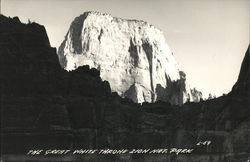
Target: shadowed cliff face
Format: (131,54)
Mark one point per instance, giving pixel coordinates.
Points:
(37,95)
(44,106)
(242,85)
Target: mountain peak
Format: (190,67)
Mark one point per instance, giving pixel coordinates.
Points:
(132,56)
(107,15)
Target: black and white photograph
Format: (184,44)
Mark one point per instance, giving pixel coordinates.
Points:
(125,80)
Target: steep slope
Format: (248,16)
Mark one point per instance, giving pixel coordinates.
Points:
(131,55)
(241,87)
(39,100)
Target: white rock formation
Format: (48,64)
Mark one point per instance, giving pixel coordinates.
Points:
(132,56)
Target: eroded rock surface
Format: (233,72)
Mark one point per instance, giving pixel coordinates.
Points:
(131,55)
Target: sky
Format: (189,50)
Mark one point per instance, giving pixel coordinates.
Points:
(207,37)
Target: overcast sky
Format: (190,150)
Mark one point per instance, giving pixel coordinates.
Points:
(208,37)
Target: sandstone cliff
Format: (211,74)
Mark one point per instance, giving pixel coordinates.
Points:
(131,55)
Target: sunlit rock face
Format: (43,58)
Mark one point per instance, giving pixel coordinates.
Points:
(131,55)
